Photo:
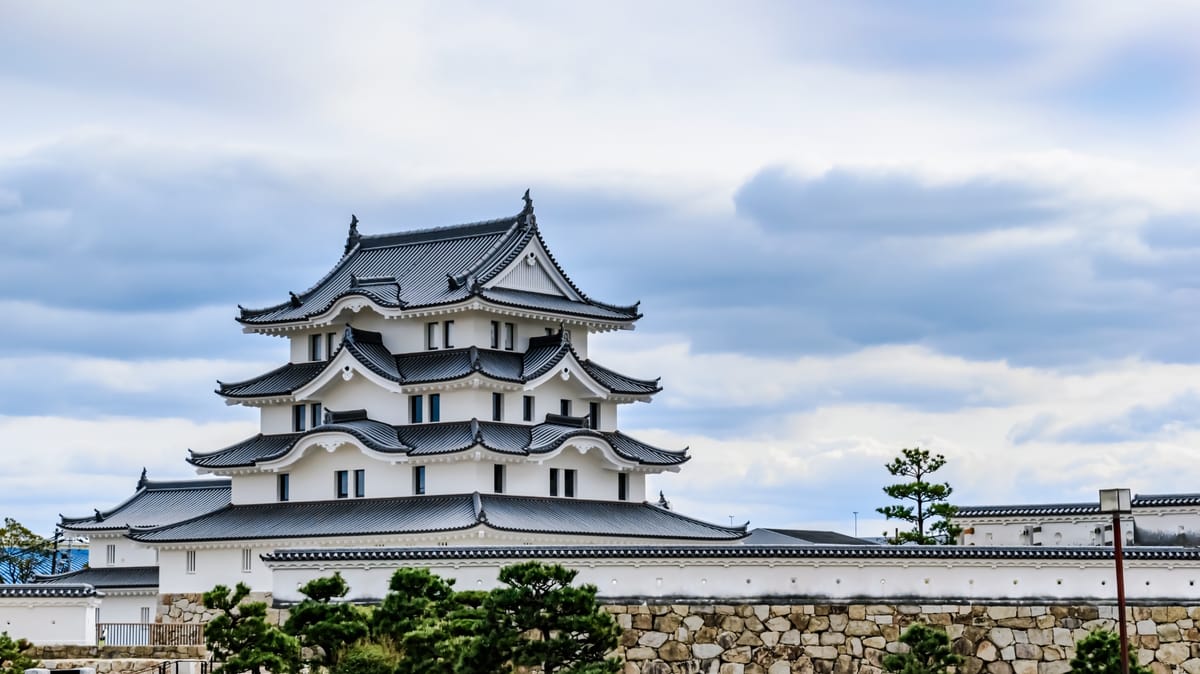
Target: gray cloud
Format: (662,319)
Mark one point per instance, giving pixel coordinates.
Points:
(1141,422)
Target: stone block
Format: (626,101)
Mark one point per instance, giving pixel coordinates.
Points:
(810,639)
(1169,632)
(856,612)
(880,609)
(1150,642)
(754,624)
(986,651)
(727,639)
(790,638)
(780,667)
(838,621)
(706,651)
(1176,613)
(723,609)
(1173,653)
(693,622)
(1191,666)
(874,642)
(667,623)
(1145,656)
(749,639)
(940,619)
(733,623)
(1001,612)
(705,635)
(652,639)
(1146,627)
(1027,652)
(818,623)
(762,611)
(639,653)
(999,668)
(821,652)
(954,631)
(1001,636)
(1008,653)
(732,668)
(740,654)
(1056,667)
(1044,621)
(673,651)
(799,620)
(971,665)
(862,628)
(643,621)
(883,619)
(1062,637)
(769,639)
(1025,667)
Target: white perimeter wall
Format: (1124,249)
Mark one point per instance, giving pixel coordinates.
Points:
(128,552)
(127,608)
(50,621)
(821,578)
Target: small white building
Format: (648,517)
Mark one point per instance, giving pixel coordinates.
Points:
(1156,520)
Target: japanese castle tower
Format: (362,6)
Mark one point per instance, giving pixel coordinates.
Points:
(439,391)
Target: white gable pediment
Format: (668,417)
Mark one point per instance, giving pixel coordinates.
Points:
(532,271)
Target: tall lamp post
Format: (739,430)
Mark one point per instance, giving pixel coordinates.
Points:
(1117,502)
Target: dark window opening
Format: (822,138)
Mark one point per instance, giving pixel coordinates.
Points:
(594,416)
(622,486)
(510,336)
(315,351)
(569,482)
(435,407)
(329,340)
(498,478)
(316,418)
(497,407)
(341,483)
(284,482)
(415,408)
(554,482)
(431,332)
(495,334)
(360,483)
(298,414)
(448,335)
(564,407)
(418,479)
(527,408)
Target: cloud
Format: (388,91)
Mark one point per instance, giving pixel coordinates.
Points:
(1139,423)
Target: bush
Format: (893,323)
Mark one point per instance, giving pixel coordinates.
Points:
(928,652)
(1100,653)
(367,659)
(12,659)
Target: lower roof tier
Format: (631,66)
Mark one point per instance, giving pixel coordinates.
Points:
(418,440)
(431,514)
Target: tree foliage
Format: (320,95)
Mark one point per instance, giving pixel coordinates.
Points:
(242,640)
(928,652)
(1100,653)
(12,657)
(21,552)
(544,621)
(327,627)
(923,504)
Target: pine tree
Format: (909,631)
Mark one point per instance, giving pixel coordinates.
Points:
(242,640)
(1100,653)
(541,620)
(326,627)
(12,656)
(928,652)
(929,499)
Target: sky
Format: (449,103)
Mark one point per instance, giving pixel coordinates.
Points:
(854,227)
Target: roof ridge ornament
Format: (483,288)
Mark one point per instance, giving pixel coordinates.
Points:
(473,354)
(662,501)
(294,299)
(476,431)
(527,218)
(141,483)
(352,237)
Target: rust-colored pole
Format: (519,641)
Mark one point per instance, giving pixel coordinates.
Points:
(1122,630)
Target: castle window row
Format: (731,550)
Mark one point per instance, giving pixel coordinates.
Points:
(320,346)
(306,416)
(416,408)
(442,337)
(562,482)
(504,335)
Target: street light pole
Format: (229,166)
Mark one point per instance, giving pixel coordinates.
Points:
(1117,501)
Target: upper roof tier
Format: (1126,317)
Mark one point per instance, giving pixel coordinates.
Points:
(1086,508)
(156,503)
(432,367)
(436,267)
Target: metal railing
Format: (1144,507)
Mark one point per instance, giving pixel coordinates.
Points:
(149,634)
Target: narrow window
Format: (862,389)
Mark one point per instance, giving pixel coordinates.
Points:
(435,407)
(247,557)
(315,352)
(341,483)
(431,335)
(285,483)
(298,414)
(145,614)
(498,478)
(569,483)
(360,483)
(418,479)
(330,338)
(554,482)
(564,407)
(189,561)
(594,416)
(448,335)
(110,554)
(415,405)
(495,334)
(622,486)
(510,336)
(527,408)
(497,407)
(316,418)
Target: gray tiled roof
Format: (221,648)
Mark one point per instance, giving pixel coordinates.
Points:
(156,503)
(1092,508)
(442,438)
(107,577)
(425,514)
(46,590)
(425,367)
(801,537)
(433,267)
(888,552)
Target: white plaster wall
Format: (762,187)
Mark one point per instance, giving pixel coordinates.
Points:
(298,343)
(255,488)
(1054,531)
(360,393)
(213,566)
(50,621)
(127,608)
(274,419)
(819,578)
(128,552)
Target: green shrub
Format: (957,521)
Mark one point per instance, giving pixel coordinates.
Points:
(928,652)
(367,659)
(1100,653)
(12,659)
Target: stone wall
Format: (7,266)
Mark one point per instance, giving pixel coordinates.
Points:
(852,638)
(188,608)
(114,659)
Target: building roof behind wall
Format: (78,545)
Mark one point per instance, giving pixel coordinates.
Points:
(107,577)
(157,503)
(1084,508)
